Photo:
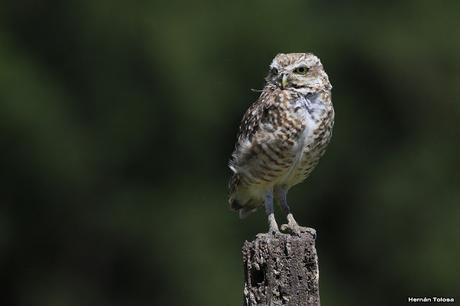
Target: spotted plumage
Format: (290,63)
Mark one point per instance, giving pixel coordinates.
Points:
(282,136)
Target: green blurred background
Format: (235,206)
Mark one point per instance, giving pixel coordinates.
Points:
(118,118)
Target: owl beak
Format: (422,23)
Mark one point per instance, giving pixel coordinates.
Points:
(284,81)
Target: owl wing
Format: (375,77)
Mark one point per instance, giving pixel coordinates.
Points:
(245,157)
(249,126)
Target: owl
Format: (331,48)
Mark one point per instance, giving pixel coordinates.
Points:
(281,138)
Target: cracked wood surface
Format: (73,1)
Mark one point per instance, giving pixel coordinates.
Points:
(281,270)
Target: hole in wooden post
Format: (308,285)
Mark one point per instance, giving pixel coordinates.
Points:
(258,276)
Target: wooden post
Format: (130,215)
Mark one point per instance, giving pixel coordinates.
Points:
(281,270)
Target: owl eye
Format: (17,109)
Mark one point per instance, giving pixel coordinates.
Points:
(274,71)
(301,70)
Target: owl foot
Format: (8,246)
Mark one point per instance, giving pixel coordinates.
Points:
(272,233)
(298,230)
(293,228)
(273,226)
(273,229)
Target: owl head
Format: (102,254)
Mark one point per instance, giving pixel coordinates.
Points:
(298,71)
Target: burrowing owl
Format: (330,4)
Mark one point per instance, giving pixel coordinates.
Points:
(282,137)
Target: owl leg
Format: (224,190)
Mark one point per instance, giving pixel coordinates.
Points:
(292,225)
(273,226)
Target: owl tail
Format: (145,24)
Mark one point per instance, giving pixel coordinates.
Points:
(240,200)
(244,208)
(244,212)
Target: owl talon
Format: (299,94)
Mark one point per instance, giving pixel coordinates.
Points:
(293,228)
(298,230)
(272,233)
(273,230)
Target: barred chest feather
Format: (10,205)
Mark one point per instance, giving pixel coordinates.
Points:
(301,127)
(318,117)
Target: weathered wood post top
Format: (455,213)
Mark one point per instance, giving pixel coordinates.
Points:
(281,269)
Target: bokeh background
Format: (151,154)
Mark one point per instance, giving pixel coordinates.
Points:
(118,118)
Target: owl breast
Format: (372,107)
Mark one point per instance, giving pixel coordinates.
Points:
(312,118)
(292,135)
